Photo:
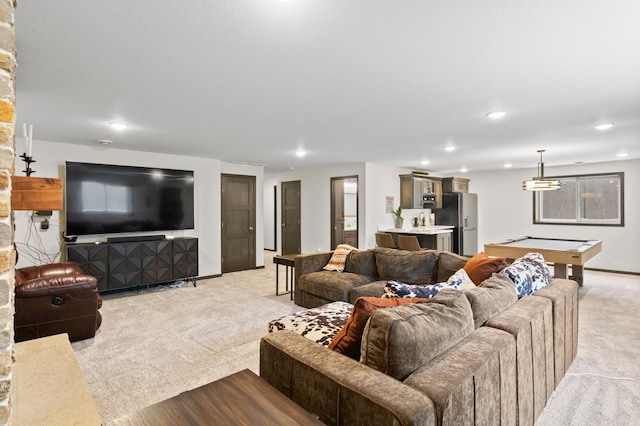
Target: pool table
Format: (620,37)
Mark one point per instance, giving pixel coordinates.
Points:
(557,250)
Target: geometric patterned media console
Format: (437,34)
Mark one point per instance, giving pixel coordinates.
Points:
(130,264)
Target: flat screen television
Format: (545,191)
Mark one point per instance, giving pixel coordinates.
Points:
(110,199)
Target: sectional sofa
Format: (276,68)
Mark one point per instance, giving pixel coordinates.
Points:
(366,272)
(478,356)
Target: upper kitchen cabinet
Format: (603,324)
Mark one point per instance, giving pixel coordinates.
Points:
(455,184)
(420,192)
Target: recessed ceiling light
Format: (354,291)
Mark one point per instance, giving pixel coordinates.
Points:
(424,162)
(464,170)
(507,165)
(604,126)
(104,142)
(300,153)
(496,115)
(118,125)
(622,154)
(450,148)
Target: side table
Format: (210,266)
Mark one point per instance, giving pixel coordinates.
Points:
(288,261)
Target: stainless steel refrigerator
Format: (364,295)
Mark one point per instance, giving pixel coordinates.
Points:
(460,210)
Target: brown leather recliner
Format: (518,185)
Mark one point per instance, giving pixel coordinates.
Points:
(56,298)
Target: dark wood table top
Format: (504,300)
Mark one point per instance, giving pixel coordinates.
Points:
(285,259)
(239,399)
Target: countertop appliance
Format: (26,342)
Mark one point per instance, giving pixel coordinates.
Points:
(461,211)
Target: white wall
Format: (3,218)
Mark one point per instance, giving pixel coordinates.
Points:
(381,181)
(375,182)
(51,156)
(315,204)
(506,211)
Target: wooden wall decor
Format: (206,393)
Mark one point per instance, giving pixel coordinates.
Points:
(33,193)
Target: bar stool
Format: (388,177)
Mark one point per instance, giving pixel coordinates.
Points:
(385,240)
(408,242)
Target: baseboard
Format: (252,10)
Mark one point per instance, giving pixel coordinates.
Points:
(612,271)
(206,277)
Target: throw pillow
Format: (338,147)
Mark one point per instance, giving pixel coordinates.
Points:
(529,274)
(460,280)
(401,290)
(349,338)
(339,258)
(480,267)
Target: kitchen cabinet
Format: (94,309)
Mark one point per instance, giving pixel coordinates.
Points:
(455,184)
(413,189)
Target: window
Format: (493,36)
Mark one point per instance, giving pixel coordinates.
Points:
(582,200)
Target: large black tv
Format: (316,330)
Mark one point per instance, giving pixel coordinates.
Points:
(110,199)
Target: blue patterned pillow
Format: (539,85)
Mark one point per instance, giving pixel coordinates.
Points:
(402,290)
(529,274)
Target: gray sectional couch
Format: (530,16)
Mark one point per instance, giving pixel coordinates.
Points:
(479,356)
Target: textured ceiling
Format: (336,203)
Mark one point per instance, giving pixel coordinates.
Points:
(345,80)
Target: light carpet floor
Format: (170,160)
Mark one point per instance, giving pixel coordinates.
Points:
(160,342)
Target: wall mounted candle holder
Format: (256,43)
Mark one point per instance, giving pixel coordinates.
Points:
(28,160)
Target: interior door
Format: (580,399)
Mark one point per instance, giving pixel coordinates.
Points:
(337,212)
(238,222)
(344,211)
(290,228)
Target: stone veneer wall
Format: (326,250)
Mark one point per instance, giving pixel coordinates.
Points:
(7,161)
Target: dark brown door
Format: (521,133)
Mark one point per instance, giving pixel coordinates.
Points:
(344,211)
(337,212)
(238,223)
(291,240)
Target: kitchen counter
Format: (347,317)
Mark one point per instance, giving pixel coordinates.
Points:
(438,237)
(421,230)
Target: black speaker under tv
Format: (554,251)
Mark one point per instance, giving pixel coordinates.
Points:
(110,199)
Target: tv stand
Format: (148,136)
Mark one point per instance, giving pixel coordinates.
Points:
(136,262)
(135,238)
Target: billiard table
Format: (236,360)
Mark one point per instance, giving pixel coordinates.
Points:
(561,252)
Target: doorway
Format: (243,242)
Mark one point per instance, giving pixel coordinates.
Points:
(238,202)
(344,211)
(290,230)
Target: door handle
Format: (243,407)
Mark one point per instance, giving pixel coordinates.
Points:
(283,224)
(251,228)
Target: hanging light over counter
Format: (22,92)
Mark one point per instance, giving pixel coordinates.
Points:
(540,183)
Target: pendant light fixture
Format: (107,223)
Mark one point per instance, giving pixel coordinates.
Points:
(540,183)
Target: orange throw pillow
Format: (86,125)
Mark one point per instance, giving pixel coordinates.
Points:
(349,338)
(480,267)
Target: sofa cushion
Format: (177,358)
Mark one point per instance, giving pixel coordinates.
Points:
(448,264)
(493,296)
(349,338)
(397,341)
(331,285)
(373,289)
(480,267)
(362,262)
(339,258)
(411,267)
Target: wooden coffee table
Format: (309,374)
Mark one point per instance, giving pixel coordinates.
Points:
(239,399)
